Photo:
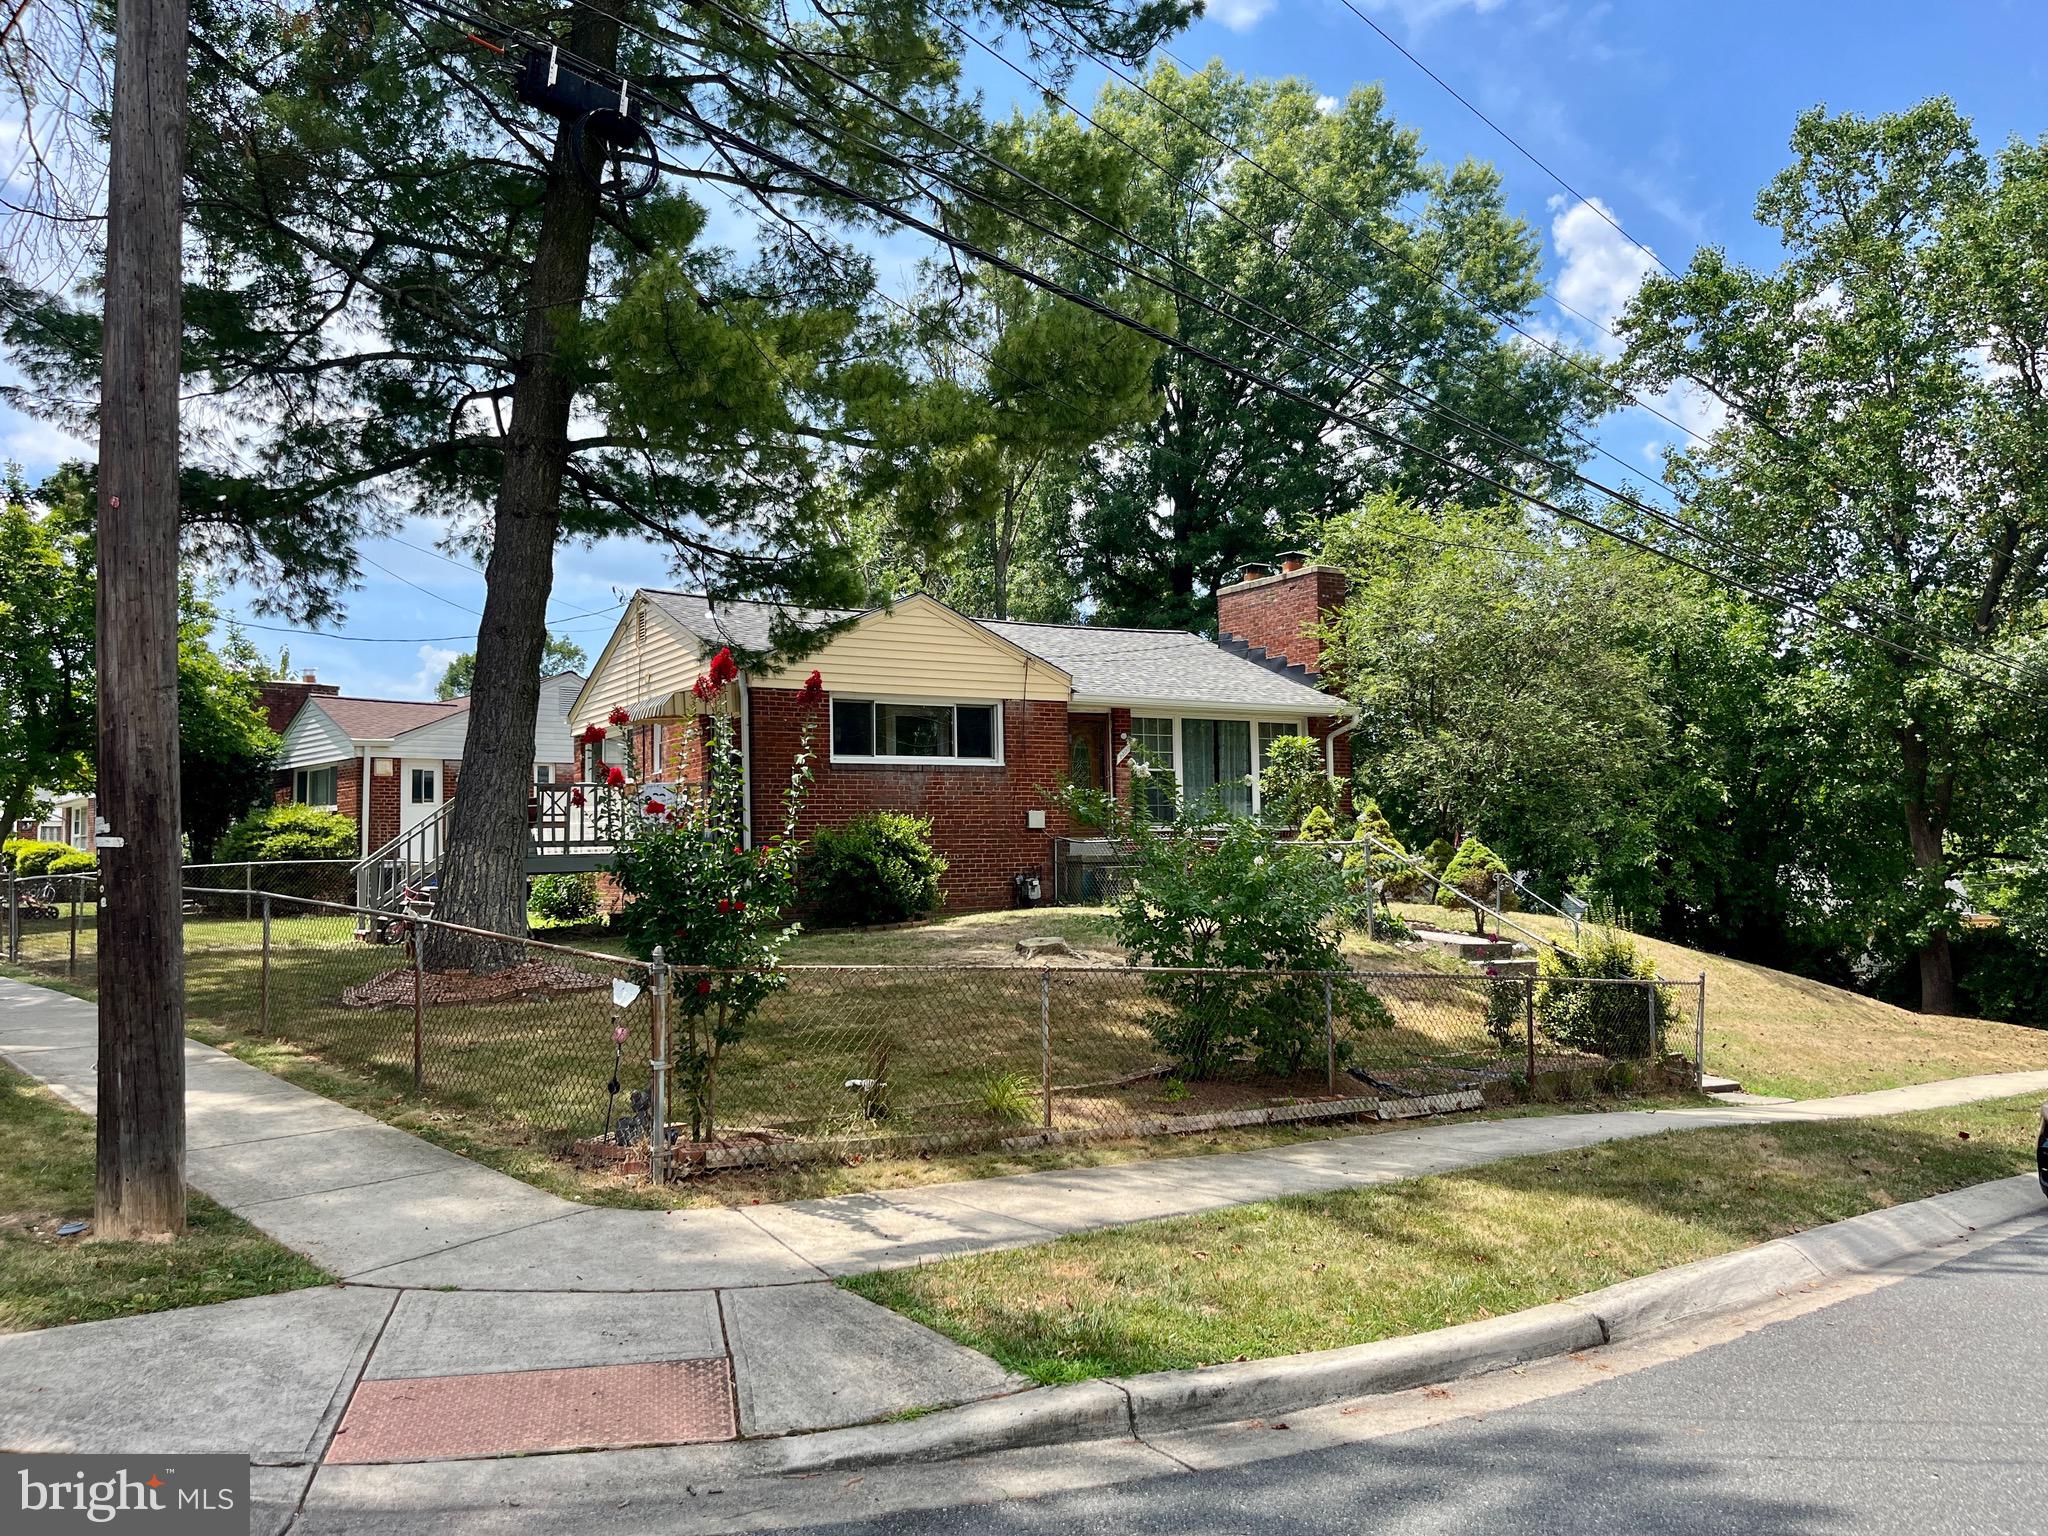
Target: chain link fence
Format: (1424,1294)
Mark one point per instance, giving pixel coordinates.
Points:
(555,1051)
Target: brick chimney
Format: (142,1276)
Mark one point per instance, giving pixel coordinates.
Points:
(281,699)
(1274,611)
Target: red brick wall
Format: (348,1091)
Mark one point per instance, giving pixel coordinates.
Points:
(978,814)
(385,788)
(282,699)
(1276,612)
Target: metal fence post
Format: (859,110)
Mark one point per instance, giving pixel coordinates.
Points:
(419,1006)
(1329,1036)
(248,885)
(71,959)
(1372,900)
(1045,1041)
(1650,1020)
(1699,1037)
(657,1065)
(263,975)
(13,920)
(1529,1032)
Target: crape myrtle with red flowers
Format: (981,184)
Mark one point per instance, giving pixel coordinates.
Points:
(712,905)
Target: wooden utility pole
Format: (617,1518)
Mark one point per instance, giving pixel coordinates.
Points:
(141,1175)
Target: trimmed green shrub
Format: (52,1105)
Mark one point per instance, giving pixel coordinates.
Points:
(1438,855)
(273,833)
(564,899)
(76,862)
(34,857)
(1621,1023)
(1474,871)
(878,868)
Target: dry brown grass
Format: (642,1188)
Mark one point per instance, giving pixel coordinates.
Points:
(1782,1034)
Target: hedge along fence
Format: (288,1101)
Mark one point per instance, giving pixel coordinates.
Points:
(877,1058)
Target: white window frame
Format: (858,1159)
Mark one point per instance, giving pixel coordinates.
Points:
(303,777)
(993,706)
(1297,726)
(543,774)
(412,786)
(76,826)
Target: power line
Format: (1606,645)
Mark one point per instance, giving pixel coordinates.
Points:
(1520,148)
(1413,395)
(840,190)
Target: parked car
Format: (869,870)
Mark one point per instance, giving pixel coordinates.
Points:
(2041,1151)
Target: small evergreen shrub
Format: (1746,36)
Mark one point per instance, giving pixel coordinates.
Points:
(272,833)
(1474,871)
(1622,1023)
(878,868)
(563,900)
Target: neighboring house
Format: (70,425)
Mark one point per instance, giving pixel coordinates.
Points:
(978,723)
(409,753)
(59,819)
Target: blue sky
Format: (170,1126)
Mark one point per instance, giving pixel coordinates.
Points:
(1671,114)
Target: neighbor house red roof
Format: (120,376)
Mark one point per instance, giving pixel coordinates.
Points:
(382,719)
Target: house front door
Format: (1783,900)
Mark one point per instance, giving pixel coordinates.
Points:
(419,792)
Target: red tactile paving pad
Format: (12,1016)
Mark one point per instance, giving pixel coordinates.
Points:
(507,1413)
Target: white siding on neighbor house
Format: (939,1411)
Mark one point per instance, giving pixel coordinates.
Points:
(437,738)
(921,649)
(313,739)
(648,654)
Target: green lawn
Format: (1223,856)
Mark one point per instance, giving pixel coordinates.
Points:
(1321,1271)
(46,1178)
(956,1037)
(1782,1034)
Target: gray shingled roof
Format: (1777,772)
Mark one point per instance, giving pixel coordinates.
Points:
(1136,665)
(742,624)
(1161,665)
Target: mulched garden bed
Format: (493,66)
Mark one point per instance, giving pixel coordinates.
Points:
(533,979)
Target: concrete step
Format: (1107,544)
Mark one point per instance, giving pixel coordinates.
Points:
(1469,946)
(1713,1084)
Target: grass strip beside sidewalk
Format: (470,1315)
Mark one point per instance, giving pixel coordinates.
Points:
(1322,1271)
(46,1178)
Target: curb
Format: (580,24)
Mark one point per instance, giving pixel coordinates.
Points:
(1172,1400)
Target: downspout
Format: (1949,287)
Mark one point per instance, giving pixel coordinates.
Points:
(363,806)
(746,762)
(1330,745)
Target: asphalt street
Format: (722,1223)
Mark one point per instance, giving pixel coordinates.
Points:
(1920,1407)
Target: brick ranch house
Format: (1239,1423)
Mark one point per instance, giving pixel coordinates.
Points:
(408,751)
(977,723)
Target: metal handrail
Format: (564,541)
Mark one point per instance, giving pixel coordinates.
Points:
(1367,842)
(1548,906)
(409,852)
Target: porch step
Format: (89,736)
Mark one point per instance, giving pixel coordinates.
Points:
(1712,1084)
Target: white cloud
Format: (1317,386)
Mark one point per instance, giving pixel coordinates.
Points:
(1600,269)
(1239,15)
(1420,13)
(39,446)
(1326,104)
(434,661)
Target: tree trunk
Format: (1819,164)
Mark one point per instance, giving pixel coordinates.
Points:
(140,1181)
(483,878)
(1937,958)
(1926,823)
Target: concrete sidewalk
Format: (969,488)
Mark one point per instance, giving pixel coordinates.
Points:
(485,1317)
